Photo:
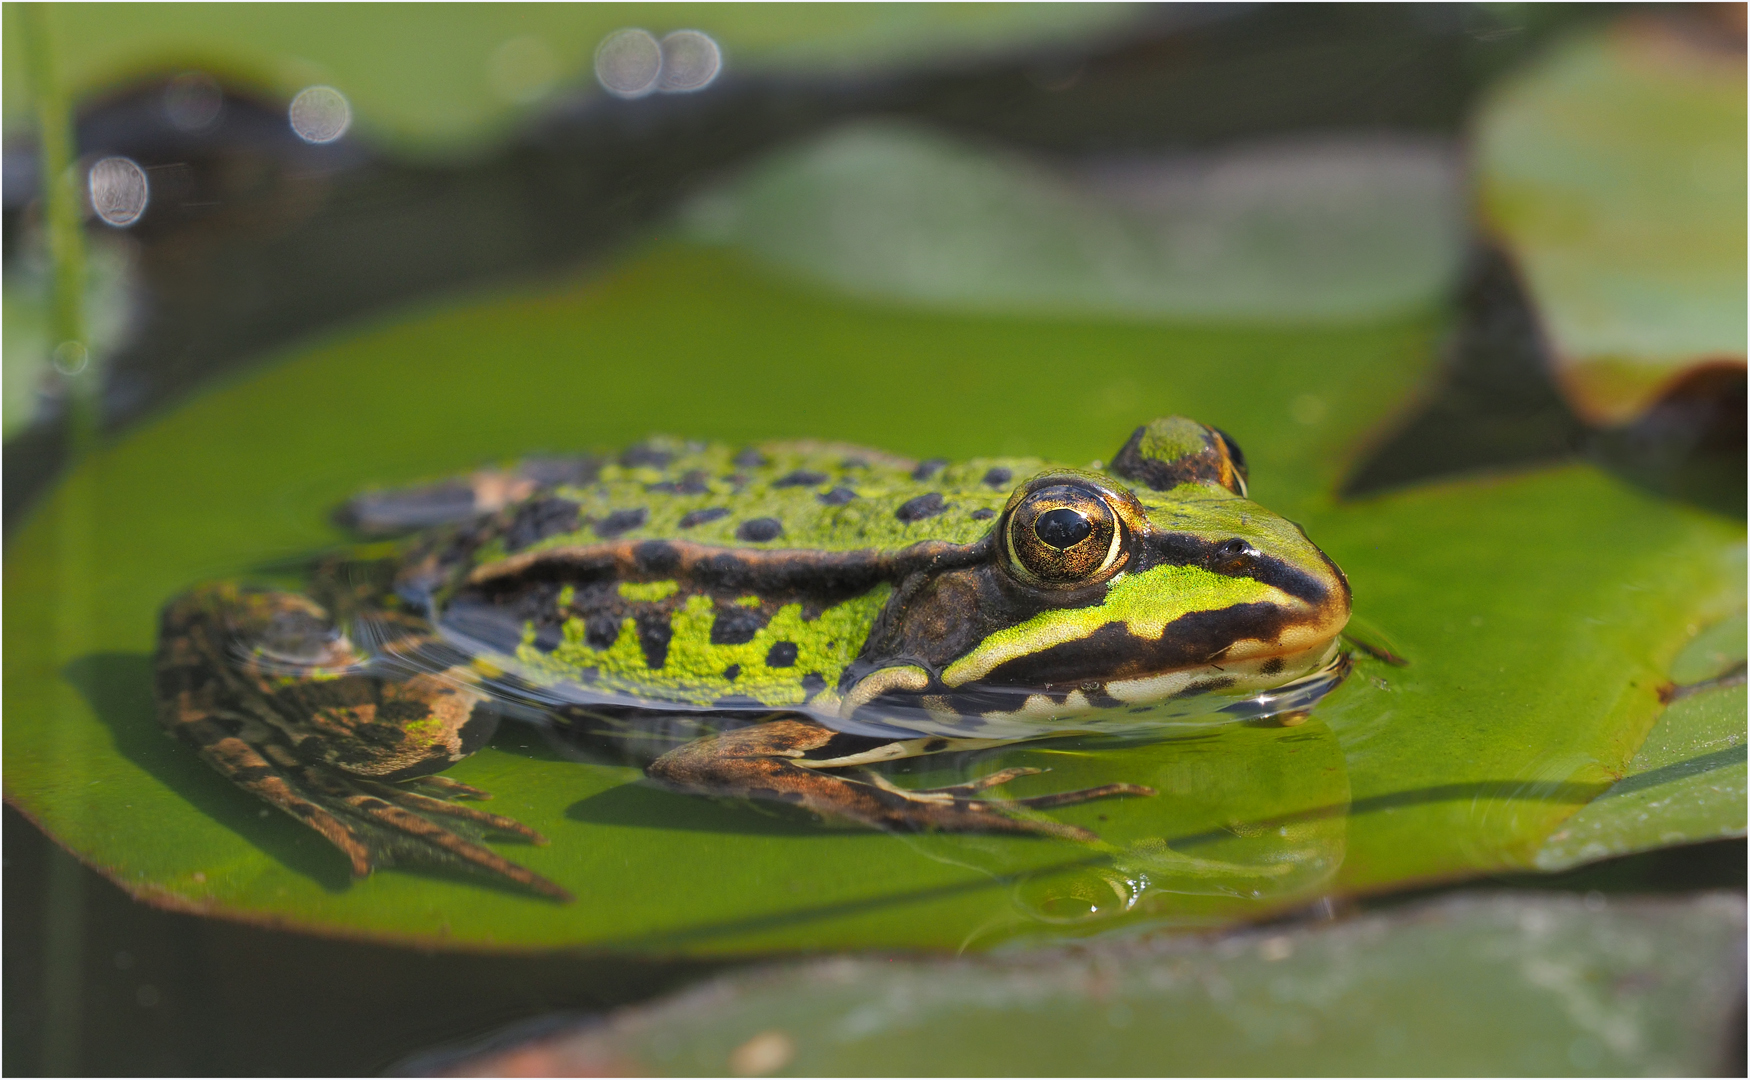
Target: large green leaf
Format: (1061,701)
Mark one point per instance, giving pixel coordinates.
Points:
(1613,171)
(1536,648)
(1522,985)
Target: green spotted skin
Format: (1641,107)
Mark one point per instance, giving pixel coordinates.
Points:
(634,636)
(872,592)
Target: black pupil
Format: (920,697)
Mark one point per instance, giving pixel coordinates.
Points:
(1062,528)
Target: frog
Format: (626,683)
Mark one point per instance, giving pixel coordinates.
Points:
(764,622)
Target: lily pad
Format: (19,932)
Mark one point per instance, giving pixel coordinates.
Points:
(1536,650)
(1687,782)
(1613,171)
(1509,985)
(1291,230)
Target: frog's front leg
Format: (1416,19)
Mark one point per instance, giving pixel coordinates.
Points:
(785,760)
(272,695)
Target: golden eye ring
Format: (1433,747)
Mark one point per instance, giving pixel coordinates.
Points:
(1062,535)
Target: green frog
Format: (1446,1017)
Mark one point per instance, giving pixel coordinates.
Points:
(760,622)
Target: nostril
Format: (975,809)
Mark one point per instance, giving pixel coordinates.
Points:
(1232,555)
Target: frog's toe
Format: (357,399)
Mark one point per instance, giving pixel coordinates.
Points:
(957,808)
(1070,798)
(397,824)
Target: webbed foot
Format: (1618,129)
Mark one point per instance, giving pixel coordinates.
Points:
(272,696)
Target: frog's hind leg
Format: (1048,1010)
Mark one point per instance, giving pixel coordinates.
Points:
(397,511)
(784,760)
(274,698)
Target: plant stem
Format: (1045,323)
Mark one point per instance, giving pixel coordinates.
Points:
(62,219)
(64,929)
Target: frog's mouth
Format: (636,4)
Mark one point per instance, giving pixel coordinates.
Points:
(1223,689)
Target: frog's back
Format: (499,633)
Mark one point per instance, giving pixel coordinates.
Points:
(710,575)
(801,495)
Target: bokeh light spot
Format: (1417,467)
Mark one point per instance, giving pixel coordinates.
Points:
(70,357)
(690,61)
(320,114)
(118,191)
(628,63)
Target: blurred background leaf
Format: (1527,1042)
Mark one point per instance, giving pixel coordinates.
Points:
(1304,230)
(1506,985)
(1613,170)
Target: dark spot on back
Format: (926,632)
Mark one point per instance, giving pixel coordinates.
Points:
(736,626)
(800,478)
(838,496)
(934,745)
(998,477)
(657,558)
(645,454)
(700,517)
(983,514)
(813,683)
(1272,665)
(693,483)
(749,458)
(620,521)
(783,654)
(653,636)
(548,637)
(601,631)
(760,530)
(538,519)
(924,506)
(927,469)
(732,672)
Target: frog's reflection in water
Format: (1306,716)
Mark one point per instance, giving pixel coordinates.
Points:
(1245,812)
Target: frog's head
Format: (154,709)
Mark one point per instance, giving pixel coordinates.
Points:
(1154,579)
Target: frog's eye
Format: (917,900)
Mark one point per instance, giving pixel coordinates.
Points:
(1064,534)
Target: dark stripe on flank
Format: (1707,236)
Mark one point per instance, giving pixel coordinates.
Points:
(1188,641)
